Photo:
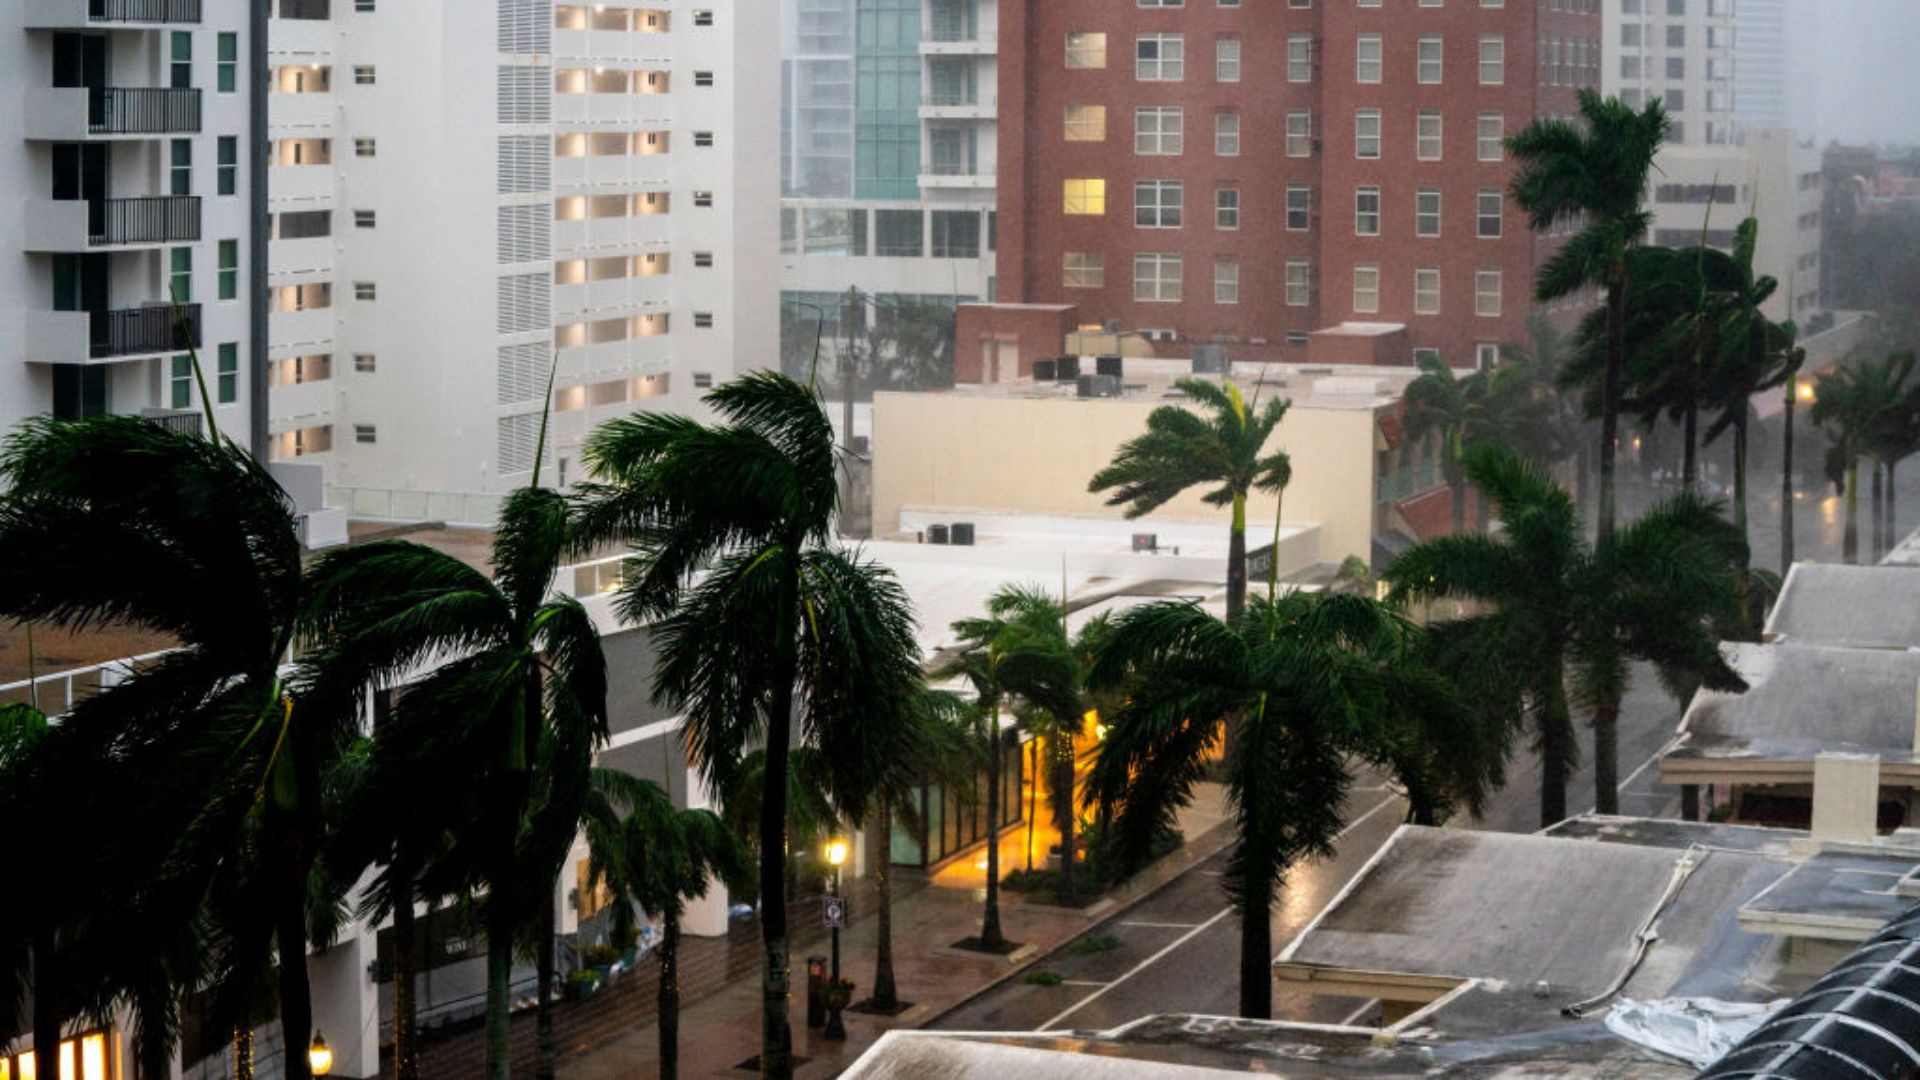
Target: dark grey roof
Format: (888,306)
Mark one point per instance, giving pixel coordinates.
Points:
(1876,607)
(1861,1021)
(1804,700)
(1845,891)
(1666,833)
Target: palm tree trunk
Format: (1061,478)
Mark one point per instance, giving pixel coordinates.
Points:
(776,1034)
(543,993)
(1850,539)
(990,935)
(1690,436)
(885,994)
(1582,475)
(1459,507)
(1556,746)
(1893,504)
(1237,560)
(1256,952)
(1610,404)
(1063,812)
(47,1021)
(406,1056)
(243,1050)
(1606,758)
(1786,481)
(670,998)
(1879,509)
(296,997)
(1740,472)
(499,1022)
(1033,800)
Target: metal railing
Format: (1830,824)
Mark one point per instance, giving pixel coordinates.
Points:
(952,168)
(144,111)
(144,11)
(945,97)
(185,421)
(950,31)
(156,328)
(157,219)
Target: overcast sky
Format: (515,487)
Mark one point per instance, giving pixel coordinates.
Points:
(1856,69)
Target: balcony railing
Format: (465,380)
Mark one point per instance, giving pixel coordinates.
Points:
(950,31)
(159,219)
(940,97)
(952,168)
(144,111)
(143,11)
(185,421)
(156,328)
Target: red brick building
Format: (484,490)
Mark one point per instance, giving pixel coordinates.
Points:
(1251,171)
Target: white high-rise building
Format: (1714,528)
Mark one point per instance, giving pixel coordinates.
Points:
(1760,64)
(888,141)
(458,200)
(1681,52)
(131,222)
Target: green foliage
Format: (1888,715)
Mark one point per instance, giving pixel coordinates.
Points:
(1043,978)
(598,956)
(1092,945)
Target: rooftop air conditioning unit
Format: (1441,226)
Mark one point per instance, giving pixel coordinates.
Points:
(1146,542)
(1066,369)
(1099,386)
(1209,360)
(937,534)
(1108,365)
(962,534)
(1043,370)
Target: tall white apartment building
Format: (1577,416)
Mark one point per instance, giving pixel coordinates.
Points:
(1725,160)
(126,162)
(888,154)
(464,191)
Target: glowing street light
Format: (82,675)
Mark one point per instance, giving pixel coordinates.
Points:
(319,1055)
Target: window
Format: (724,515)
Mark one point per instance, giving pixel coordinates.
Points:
(227,171)
(1299,133)
(703,78)
(1158,130)
(703,138)
(364,147)
(1159,58)
(956,234)
(1493,60)
(1299,58)
(703,320)
(703,198)
(1226,281)
(365,433)
(898,233)
(1085,197)
(1426,290)
(180,275)
(1156,278)
(1367,62)
(1299,282)
(227,379)
(703,18)
(1086,50)
(1426,137)
(180,167)
(226,70)
(363,6)
(1299,207)
(1366,133)
(363,75)
(1492,137)
(1366,288)
(703,380)
(1486,293)
(1366,211)
(1226,208)
(1226,60)
(1489,213)
(1161,3)
(1426,212)
(364,290)
(1156,204)
(1428,53)
(180,67)
(364,363)
(1226,134)
(1084,270)
(229,277)
(703,260)
(180,382)
(1486,356)
(363,219)
(1086,123)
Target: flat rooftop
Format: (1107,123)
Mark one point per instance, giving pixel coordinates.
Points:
(1865,607)
(1802,700)
(1309,386)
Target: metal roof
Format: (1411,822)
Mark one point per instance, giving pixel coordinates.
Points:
(1804,700)
(1861,1021)
(1864,607)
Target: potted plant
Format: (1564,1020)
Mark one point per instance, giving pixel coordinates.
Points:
(839,995)
(583,984)
(602,957)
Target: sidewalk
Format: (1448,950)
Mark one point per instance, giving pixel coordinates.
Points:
(721,1031)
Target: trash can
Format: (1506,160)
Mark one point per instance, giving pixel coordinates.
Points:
(816,991)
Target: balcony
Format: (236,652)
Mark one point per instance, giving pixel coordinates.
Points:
(184,421)
(65,114)
(83,337)
(954,38)
(956,174)
(942,104)
(71,225)
(79,14)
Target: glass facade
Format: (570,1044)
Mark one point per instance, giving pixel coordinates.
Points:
(951,821)
(887,96)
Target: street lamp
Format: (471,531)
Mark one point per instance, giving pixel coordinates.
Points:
(837,993)
(319,1055)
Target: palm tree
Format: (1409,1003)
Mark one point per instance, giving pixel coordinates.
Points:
(1320,682)
(1895,438)
(1755,352)
(1224,445)
(1538,371)
(1017,653)
(221,771)
(1457,409)
(1649,592)
(1854,403)
(1596,171)
(659,857)
(785,633)
(515,707)
(1795,359)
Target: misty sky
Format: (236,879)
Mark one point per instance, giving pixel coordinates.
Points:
(1856,69)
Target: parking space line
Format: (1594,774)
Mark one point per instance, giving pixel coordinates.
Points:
(1162,925)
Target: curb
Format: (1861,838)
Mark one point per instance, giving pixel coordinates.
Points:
(1119,908)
